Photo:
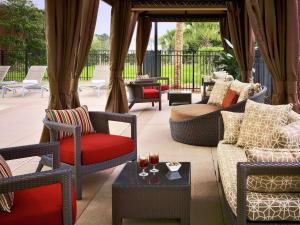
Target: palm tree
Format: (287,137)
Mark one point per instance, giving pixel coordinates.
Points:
(178,53)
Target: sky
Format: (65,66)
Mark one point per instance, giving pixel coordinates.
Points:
(103,21)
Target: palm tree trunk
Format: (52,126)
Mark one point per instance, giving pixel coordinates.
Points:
(178,54)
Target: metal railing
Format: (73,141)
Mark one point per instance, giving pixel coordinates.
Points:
(193,65)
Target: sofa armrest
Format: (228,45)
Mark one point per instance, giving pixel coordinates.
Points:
(33,150)
(245,169)
(61,175)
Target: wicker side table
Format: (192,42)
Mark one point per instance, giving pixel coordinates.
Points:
(154,197)
(180,97)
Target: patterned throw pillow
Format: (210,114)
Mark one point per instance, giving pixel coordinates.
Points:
(273,183)
(230,98)
(6,199)
(238,86)
(293,117)
(218,93)
(249,91)
(261,123)
(290,135)
(79,116)
(232,124)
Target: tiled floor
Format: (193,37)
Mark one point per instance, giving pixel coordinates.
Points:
(21,124)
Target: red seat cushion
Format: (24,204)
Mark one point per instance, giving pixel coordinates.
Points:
(151,93)
(230,98)
(96,148)
(38,206)
(164,87)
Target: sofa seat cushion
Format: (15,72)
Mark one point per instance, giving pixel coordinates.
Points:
(185,112)
(151,93)
(36,206)
(262,206)
(164,87)
(96,148)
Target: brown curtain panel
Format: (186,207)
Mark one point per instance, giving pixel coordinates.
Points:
(69,32)
(242,38)
(224,32)
(120,37)
(142,40)
(276,27)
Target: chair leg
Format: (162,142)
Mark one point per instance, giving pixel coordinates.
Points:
(78,186)
(23,92)
(131,104)
(159,105)
(98,91)
(152,104)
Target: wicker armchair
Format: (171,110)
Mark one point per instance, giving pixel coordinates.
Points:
(75,145)
(203,130)
(147,91)
(35,183)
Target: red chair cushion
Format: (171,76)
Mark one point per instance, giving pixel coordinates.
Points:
(164,87)
(38,206)
(96,148)
(151,93)
(230,98)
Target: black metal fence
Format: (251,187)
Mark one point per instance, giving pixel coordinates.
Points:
(193,65)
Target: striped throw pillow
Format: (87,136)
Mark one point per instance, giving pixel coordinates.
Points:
(6,199)
(78,116)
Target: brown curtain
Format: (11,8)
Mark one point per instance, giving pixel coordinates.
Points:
(69,32)
(242,38)
(276,27)
(142,40)
(224,32)
(120,36)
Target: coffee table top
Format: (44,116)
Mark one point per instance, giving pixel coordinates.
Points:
(129,176)
(178,92)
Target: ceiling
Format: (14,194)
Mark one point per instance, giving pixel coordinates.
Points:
(179,10)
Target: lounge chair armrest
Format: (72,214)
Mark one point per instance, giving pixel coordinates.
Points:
(146,84)
(245,169)
(55,127)
(33,150)
(100,120)
(61,175)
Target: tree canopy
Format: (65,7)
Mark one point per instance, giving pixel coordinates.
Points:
(23,25)
(196,35)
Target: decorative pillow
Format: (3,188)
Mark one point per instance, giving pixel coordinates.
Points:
(6,199)
(273,183)
(293,117)
(232,124)
(238,86)
(79,116)
(290,135)
(219,75)
(230,98)
(249,91)
(218,93)
(261,123)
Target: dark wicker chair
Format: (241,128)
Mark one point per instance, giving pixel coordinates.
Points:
(146,91)
(203,130)
(26,182)
(100,121)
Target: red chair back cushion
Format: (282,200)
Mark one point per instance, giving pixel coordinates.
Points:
(38,206)
(230,98)
(164,87)
(96,148)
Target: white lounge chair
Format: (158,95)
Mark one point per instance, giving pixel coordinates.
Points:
(33,80)
(3,72)
(99,80)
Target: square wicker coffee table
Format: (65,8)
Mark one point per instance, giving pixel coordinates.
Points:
(157,196)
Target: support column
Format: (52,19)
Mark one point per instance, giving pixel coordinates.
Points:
(155,48)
